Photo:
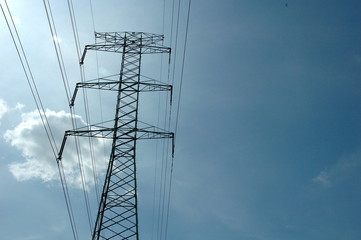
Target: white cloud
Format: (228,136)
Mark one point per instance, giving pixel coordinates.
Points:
(3,108)
(323,178)
(30,138)
(346,166)
(19,106)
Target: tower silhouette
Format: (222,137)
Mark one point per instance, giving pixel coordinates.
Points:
(117,216)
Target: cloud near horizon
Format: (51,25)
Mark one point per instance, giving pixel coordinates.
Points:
(30,138)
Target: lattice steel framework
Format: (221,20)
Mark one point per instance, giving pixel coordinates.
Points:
(117,216)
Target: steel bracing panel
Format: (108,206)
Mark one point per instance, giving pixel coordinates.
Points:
(117,216)
(108,83)
(128,42)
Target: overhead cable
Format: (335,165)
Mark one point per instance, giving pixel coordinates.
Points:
(42,113)
(178,108)
(57,48)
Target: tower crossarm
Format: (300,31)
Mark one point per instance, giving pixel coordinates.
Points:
(118,48)
(122,133)
(97,133)
(150,132)
(128,42)
(146,134)
(133,37)
(126,86)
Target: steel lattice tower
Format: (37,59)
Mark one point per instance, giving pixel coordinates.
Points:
(117,216)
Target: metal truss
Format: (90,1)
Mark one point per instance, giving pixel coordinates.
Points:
(149,132)
(117,216)
(128,42)
(109,83)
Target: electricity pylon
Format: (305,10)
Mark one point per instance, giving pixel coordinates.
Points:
(117,216)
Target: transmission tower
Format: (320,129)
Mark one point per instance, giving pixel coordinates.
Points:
(117,216)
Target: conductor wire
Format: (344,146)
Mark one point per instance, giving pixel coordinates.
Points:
(178,109)
(38,102)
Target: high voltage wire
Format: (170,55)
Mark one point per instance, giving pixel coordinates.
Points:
(67,199)
(30,79)
(183,63)
(162,210)
(165,214)
(87,115)
(100,105)
(42,113)
(92,13)
(157,143)
(67,90)
(85,96)
(165,181)
(178,106)
(165,147)
(66,85)
(57,48)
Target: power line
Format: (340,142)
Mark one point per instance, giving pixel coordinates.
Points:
(92,13)
(67,199)
(66,85)
(178,108)
(165,179)
(45,122)
(157,143)
(87,116)
(30,79)
(100,106)
(183,63)
(57,48)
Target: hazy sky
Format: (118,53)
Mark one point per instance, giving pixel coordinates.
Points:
(269,137)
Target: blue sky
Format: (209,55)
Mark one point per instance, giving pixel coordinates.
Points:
(268,144)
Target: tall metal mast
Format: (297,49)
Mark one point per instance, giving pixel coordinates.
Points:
(117,216)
